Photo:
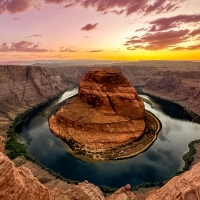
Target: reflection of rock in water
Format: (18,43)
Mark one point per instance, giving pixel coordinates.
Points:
(106,115)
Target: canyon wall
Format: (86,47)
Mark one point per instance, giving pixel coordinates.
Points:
(23,87)
(182,87)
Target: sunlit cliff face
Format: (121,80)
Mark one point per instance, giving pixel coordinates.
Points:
(103,29)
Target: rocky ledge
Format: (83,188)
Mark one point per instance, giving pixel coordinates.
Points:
(107,119)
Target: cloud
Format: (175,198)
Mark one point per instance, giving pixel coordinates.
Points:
(36,35)
(161,6)
(95,51)
(118,12)
(123,6)
(173,22)
(54,1)
(141,29)
(156,6)
(37,6)
(69,5)
(158,40)
(195,32)
(191,47)
(15,6)
(67,50)
(16,18)
(89,27)
(132,6)
(104,6)
(22,46)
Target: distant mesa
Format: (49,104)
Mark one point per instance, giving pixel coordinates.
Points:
(107,119)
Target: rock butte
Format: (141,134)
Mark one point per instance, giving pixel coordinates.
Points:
(105,116)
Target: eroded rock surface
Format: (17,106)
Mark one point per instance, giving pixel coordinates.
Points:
(183,187)
(23,87)
(19,183)
(123,193)
(107,113)
(180,86)
(110,90)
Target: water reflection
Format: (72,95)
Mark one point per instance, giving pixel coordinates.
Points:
(158,163)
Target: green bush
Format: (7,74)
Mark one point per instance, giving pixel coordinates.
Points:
(15,148)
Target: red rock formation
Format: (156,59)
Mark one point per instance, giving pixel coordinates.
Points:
(183,187)
(123,193)
(180,86)
(82,191)
(107,113)
(19,183)
(2,140)
(109,89)
(28,83)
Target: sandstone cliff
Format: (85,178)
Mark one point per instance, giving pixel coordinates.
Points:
(106,114)
(19,183)
(183,187)
(109,89)
(179,86)
(23,87)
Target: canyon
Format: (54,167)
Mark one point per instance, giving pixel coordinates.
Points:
(23,87)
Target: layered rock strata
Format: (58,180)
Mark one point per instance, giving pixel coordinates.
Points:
(106,116)
(180,86)
(19,183)
(23,87)
(183,187)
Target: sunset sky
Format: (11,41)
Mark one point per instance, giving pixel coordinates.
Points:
(99,29)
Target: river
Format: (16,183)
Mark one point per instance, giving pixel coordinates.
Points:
(158,163)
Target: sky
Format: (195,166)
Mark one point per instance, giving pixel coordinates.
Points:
(99,29)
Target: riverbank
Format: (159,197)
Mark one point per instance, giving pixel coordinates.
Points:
(153,126)
(192,157)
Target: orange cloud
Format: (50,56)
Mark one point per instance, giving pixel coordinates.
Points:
(195,32)
(95,51)
(192,47)
(158,40)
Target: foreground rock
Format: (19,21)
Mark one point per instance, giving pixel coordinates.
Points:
(105,117)
(183,187)
(19,183)
(123,193)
